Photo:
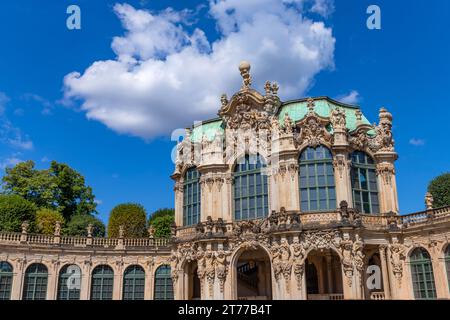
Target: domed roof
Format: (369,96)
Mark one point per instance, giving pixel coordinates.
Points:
(296,109)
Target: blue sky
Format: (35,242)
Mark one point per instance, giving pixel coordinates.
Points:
(115,129)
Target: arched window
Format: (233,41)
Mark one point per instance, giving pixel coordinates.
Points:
(364,183)
(69,283)
(447,264)
(250,189)
(102,283)
(422,275)
(191,197)
(35,282)
(133,283)
(163,284)
(6,276)
(316,180)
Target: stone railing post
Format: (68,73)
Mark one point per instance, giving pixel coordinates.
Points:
(89,229)
(57,233)
(24,235)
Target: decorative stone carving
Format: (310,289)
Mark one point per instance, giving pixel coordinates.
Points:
(313,130)
(397,251)
(429,201)
(386,171)
(210,270)
(221,265)
(340,162)
(299,256)
(338,119)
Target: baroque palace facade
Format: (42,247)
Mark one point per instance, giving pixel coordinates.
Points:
(273,200)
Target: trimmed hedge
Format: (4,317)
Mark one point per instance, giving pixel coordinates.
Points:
(132,217)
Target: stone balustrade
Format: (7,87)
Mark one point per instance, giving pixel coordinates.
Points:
(16,238)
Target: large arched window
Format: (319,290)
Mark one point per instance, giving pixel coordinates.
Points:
(316,180)
(191,197)
(422,274)
(447,264)
(250,189)
(364,183)
(102,283)
(163,284)
(6,276)
(69,283)
(133,283)
(35,282)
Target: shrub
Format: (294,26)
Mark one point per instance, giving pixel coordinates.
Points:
(77,226)
(439,188)
(46,220)
(132,217)
(162,226)
(13,211)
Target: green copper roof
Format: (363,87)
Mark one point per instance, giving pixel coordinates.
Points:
(208,128)
(296,110)
(323,107)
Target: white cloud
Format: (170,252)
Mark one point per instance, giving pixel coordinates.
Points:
(350,98)
(417,142)
(323,7)
(164,76)
(9,134)
(9,162)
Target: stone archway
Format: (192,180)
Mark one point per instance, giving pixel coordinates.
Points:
(193,281)
(253,279)
(323,275)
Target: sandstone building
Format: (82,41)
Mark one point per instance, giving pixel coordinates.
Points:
(273,200)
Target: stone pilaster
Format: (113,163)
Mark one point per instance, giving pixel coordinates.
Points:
(387,185)
(385,272)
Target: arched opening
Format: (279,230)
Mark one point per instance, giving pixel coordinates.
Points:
(422,274)
(6,276)
(69,283)
(133,283)
(253,275)
(163,284)
(323,276)
(35,283)
(447,265)
(193,281)
(102,283)
(373,278)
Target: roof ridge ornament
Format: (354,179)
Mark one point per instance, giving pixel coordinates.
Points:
(244,68)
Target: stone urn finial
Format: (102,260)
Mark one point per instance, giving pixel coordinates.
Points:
(121,231)
(57,229)
(244,68)
(429,201)
(90,229)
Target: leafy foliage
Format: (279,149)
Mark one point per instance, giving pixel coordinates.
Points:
(46,220)
(77,226)
(14,210)
(161,221)
(439,187)
(59,187)
(131,216)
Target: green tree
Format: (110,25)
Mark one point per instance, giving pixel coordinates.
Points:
(131,216)
(161,213)
(77,226)
(59,187)
(439,188)
(46,220)
(14,210)
(161,221)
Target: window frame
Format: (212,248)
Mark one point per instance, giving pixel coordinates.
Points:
(191,189)
(304,168)
(35,282)
(103,278)
(163,284)
(421,266)
(133,280)
(365,169)
(6,279)
(254,178)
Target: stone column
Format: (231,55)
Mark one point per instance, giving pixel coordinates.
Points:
(341,165)
(148,293)
(178,189)
(18,276)
(387,185)
(385,272)
(329,273)
(52,281)
(118,281)
(85,289)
